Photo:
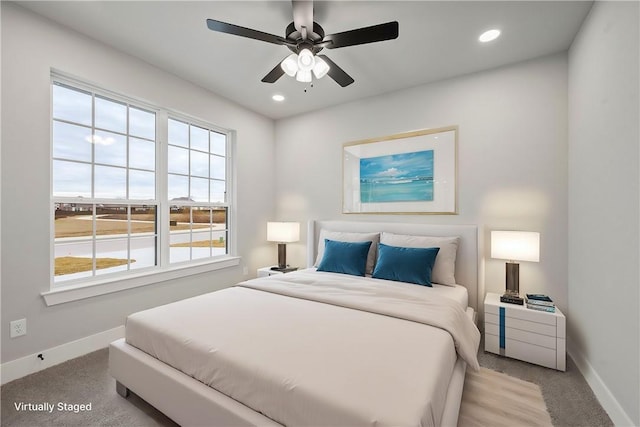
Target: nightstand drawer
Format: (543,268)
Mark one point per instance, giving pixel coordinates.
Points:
(522,313)
(523,336)
(535,327)
(521,350)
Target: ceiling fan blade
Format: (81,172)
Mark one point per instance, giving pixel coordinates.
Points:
(375,33)
(303,14)
(337,73)
(236,30)
(274,74)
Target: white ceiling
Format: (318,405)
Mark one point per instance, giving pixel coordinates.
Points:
(437,40)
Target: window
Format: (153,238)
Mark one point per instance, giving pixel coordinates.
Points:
(126,200)
(197,191)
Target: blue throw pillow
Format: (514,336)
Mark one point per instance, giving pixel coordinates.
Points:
(344,257)
(411,265)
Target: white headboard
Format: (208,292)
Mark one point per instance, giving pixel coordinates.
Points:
(466,259)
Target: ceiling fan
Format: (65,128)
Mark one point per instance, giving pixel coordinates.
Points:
(306,38)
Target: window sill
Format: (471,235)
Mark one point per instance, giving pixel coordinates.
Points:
(64,294)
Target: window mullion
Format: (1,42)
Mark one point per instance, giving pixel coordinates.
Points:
(126,157)
(127,183)
(129,233)
(94,244)
(162,186)
(230,176)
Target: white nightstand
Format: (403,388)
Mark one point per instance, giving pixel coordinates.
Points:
(533,336)
(267,271)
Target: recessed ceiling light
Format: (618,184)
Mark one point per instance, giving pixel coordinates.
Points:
(278,98)
(487,36)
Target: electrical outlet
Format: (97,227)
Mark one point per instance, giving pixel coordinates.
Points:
(18,328)
(245,271)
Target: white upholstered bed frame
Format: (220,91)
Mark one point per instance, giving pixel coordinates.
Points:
(191,403)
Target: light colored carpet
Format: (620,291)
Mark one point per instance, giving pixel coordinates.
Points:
(86,379)
(494,399)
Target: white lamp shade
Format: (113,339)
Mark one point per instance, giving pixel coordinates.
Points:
(321,68)
(303,76)
(515,245)
(283,232)
(290,65)
(306,61)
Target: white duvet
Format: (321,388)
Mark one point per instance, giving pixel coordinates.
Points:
(312,349)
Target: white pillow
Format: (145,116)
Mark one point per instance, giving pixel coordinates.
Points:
(342,236)
(445,266)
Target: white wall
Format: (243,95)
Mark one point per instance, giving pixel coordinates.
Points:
(512,151)
(604,206)
(31,46)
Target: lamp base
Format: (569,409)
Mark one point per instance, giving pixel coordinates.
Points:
(282,256)
(512,299)
(284,270)
(513,278)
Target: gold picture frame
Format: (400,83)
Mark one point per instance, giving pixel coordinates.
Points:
(407,173)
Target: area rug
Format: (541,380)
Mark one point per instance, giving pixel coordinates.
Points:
(493,399)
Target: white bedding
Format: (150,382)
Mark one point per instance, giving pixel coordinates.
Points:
(457,293)
(301,362)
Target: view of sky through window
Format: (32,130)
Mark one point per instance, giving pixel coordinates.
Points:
(119,139)
(105,178)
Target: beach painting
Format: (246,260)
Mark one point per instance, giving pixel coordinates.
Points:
(404,177)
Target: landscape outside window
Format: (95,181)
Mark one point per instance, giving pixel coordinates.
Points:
(106,203)
(197,168)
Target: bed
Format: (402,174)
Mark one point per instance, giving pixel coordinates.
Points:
(312,347)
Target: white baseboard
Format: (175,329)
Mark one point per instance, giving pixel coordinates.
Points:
(608,401)
(24,366)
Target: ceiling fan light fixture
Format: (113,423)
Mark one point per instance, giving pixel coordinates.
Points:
(321,68)
(290,65)
(303,76)
(306,60)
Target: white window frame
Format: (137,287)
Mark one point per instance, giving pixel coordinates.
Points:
(190,121)
(76,289)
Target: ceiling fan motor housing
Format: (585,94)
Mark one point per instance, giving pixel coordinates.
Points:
(295,36)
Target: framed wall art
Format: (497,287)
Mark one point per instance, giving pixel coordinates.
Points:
(408,173)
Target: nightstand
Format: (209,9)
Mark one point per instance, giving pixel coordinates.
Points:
(521,333)
(267,271)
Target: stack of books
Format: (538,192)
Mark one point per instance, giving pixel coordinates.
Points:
(540,302)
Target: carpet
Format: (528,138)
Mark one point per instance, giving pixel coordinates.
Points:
(86,379)
(494,399)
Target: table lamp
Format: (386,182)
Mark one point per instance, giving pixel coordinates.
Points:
(283,232)
(515,246)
